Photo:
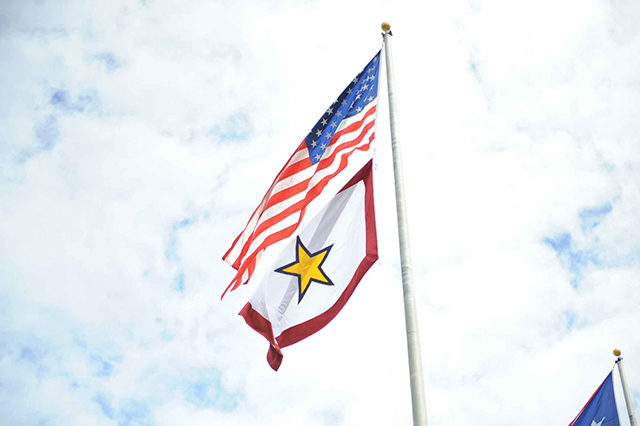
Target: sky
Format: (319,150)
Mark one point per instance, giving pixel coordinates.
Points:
(138,137)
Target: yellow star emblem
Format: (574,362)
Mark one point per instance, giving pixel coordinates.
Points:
(307,267)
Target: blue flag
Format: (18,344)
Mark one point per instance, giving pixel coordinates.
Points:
(601,408)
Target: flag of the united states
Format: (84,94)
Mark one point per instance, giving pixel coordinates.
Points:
(347,126)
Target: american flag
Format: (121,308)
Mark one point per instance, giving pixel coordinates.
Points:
(346,127)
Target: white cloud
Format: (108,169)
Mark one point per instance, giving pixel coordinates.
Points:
(137,139)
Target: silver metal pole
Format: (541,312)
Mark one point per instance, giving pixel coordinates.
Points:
(625,388)
(411,319)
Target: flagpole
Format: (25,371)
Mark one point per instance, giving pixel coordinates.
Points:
(625,388)
(411,319)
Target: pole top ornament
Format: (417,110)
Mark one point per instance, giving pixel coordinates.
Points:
(385,26)
(617,352)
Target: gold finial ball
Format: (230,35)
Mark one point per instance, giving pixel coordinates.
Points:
(617,352)
(385,26)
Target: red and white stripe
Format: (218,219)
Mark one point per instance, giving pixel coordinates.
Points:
(298,183)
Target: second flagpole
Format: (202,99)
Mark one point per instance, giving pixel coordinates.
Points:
(411,318)
(625,388)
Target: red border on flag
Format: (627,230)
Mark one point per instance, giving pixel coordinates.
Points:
(590,399)
(303,330)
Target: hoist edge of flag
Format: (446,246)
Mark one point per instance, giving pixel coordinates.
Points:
(303,330)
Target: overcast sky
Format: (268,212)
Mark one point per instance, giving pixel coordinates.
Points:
(137,138)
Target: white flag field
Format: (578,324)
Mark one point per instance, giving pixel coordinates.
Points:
(318,269)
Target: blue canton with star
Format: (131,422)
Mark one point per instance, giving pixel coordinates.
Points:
(359,93)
